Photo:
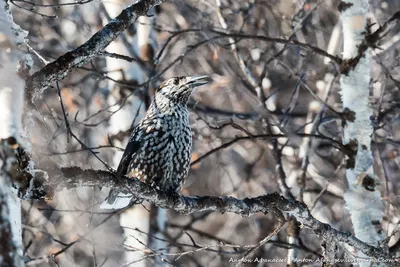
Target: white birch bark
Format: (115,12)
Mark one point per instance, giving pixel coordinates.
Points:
(11,108)
(136,217)
(334,42)
(365,206)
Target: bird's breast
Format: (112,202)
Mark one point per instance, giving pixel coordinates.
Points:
(166,145)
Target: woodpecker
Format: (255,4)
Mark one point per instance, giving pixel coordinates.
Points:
(160,146)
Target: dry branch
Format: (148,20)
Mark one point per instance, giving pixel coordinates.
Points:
(59,68)
(73,177)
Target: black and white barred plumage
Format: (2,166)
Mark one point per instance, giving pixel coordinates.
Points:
(159,149)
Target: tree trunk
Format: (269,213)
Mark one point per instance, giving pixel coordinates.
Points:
(363,199)
(11,107)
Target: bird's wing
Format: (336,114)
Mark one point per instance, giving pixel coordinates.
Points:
(131,148)
(135,143)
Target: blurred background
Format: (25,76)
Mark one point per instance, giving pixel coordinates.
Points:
(253,127)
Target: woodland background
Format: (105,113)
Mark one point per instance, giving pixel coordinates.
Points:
(297,151)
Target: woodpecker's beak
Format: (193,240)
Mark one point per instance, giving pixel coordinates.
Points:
(196,81)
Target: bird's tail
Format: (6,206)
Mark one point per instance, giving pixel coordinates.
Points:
(112,196)
(116,200)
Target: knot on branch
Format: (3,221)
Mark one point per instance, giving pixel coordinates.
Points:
(18,165)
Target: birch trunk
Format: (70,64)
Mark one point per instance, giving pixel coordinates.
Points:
(130,112)
(363,199)
(11,108)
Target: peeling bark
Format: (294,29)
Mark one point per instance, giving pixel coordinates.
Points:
(363,202)
(14,62)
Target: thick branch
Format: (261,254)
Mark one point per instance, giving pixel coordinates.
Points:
(59,68)
(73,177)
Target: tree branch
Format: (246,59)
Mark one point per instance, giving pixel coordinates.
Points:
(73,177)
(59,68)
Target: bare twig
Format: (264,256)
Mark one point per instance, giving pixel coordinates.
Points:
(59,68)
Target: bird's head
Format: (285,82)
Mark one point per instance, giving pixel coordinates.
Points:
(178,89)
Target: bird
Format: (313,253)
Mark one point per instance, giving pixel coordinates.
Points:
(159,149)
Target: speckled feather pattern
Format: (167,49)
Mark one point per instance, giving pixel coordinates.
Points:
(165,145)
(159,149)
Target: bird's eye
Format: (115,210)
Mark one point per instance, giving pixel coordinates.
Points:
(176,81)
